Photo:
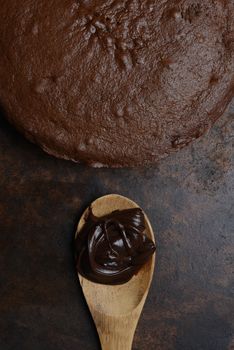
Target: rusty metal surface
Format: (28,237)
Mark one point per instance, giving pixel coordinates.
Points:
(189,199)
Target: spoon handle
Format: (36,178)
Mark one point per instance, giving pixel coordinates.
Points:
(116,333)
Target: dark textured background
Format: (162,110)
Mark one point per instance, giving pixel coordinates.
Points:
(189,199)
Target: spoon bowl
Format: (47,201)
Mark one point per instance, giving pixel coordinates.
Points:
(116,309)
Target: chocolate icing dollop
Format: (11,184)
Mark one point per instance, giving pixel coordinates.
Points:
(111,249)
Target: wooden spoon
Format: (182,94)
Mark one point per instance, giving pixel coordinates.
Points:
(117,309)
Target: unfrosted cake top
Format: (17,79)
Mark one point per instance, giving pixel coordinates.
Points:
(115,82)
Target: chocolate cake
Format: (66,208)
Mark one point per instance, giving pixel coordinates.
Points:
(115,82)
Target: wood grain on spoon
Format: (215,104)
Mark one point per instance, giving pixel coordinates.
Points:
(116,309)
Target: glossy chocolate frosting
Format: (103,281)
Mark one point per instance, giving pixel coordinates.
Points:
(115,82)
(111,249)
